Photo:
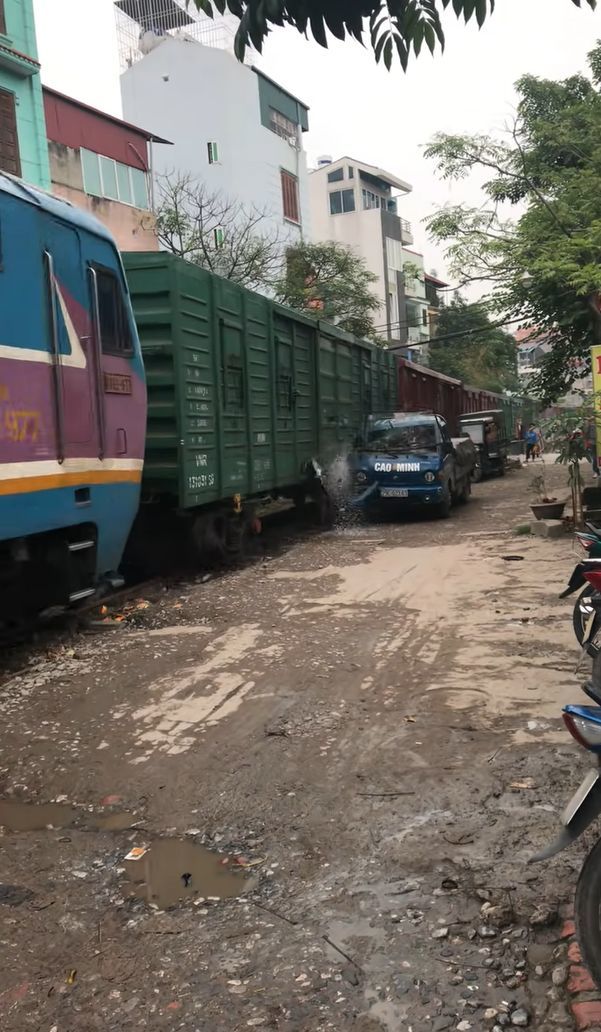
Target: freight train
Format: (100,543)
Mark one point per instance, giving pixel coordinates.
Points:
(423,389)
(246,400)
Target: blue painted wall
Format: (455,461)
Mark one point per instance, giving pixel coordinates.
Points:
(20,74)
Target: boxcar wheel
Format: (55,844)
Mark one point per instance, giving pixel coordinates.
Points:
(209,535)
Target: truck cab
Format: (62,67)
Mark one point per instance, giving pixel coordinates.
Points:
(411,460)
(487,431)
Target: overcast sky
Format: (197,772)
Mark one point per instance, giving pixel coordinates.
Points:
(358,108)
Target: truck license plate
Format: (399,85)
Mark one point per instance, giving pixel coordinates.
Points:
(394,492)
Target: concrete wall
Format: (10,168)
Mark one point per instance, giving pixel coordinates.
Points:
(132,228)
(192,95)
(22,78)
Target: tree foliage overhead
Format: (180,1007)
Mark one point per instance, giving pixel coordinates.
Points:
(329,281)
(543,265)
(216,232)
(395,27)
(473,349)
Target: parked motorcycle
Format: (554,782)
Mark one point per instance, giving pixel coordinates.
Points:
(584,610)
(584,724)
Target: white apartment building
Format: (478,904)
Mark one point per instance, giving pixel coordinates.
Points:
(417,308)
(233,129)
(354,203)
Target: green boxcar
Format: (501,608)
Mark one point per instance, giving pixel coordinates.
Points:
(245,397)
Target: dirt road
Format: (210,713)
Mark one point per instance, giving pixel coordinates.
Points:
(365,728)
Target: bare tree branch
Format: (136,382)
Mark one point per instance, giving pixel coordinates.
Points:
(218,232)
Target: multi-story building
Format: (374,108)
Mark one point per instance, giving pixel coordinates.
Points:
(354,203)
(416,304)
(103,164)
(234,130)
(23,149)
(434,285)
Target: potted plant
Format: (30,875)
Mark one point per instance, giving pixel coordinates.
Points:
(573,433)
(545,508)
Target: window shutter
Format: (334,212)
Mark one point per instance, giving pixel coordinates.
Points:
(290,201)
(10,159)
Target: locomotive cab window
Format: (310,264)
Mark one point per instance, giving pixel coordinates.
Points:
(115,333)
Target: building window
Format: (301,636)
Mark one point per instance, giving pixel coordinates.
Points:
(108,172)
(104,177)
(425,316)
(213,153)
(372,200)
(413,320)
(218,237)
(351,172)
(10,159)
(394,254)
(282,126)
(290,199)
(342,201)
(115,334)
(2,19)
(336,175)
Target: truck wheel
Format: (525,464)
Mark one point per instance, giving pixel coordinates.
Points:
(444,507)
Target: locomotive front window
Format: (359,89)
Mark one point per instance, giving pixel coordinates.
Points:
(115,334)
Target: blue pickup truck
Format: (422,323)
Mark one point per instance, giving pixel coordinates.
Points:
(411,460)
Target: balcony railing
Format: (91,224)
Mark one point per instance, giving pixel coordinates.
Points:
(406,231)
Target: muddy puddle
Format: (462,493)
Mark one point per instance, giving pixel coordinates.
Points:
(173,870)
(35,816)
(17,816)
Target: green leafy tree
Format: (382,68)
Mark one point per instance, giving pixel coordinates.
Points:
(395,27)
(330,281)
(543,265)
(472,348)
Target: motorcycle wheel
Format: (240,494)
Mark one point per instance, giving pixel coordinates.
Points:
(587,912)
(578,618)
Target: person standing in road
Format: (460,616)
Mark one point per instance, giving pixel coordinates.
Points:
(531,439)
(590,446)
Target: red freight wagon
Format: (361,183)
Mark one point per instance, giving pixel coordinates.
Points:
(421,389)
